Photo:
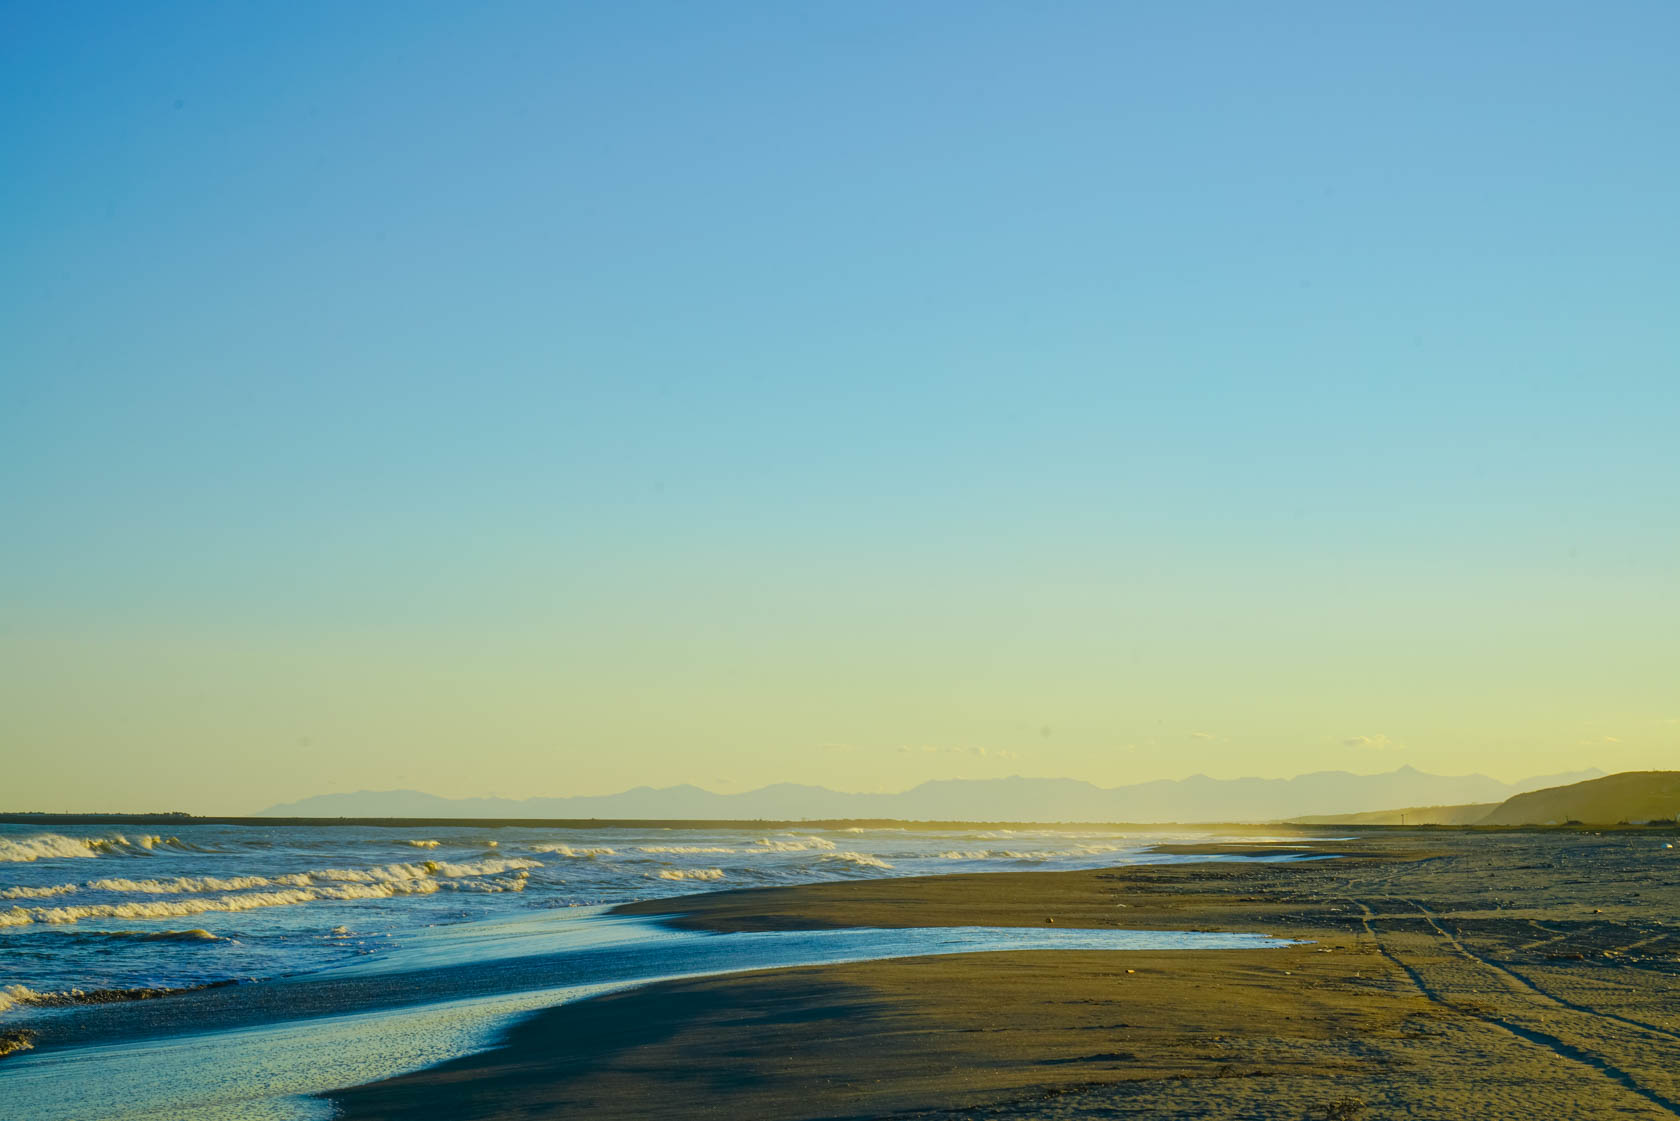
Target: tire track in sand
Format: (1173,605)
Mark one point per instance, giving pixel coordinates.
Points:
(1575,1050)
(1523,982)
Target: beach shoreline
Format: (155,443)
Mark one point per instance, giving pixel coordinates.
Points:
(1437,975)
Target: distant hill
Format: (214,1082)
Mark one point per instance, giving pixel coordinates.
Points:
(1195,799)
(1632,796)
(1411,815)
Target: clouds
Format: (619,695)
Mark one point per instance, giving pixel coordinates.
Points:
(1378,742)
(975,752)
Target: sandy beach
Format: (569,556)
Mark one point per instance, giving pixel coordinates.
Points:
(1441,974)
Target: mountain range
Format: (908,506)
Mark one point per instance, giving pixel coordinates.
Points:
(1195,799)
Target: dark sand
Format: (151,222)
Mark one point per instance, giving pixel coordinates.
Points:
(1450,975)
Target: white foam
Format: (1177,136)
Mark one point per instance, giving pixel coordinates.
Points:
(515,882)
(197,934)
(56,846)
(198,905)
(483,867)
(423,844)
(800,843)
(184,884)
(399,872)
(354,884)
(567,850)
(37,892)
(861,859)
(1021,854)
(691,874)
(198,885)
(684,848)
(13,995)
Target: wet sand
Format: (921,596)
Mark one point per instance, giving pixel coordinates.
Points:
(1448,975)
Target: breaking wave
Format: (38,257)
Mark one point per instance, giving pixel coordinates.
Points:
(801,844)
(1015,854)
(198,885)
(342,884)
(197,934)
(398,872)
(567,850)
(691,874)
(423,844)
(684,848)
(184,884)
(199,905)
(15,996)
(859,859)
(38,892)
(56,846)
(996,854)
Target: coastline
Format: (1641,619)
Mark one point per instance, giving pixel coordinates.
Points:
(1446,975)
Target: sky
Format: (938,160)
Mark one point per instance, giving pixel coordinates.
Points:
(546,399)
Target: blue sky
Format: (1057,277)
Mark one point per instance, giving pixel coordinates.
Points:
(549,398)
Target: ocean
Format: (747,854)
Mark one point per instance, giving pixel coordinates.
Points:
(196,972)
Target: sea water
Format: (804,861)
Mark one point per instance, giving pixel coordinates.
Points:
(99,909)
(361,952)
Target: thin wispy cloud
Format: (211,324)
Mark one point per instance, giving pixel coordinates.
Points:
(975,752)
(1376,742)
